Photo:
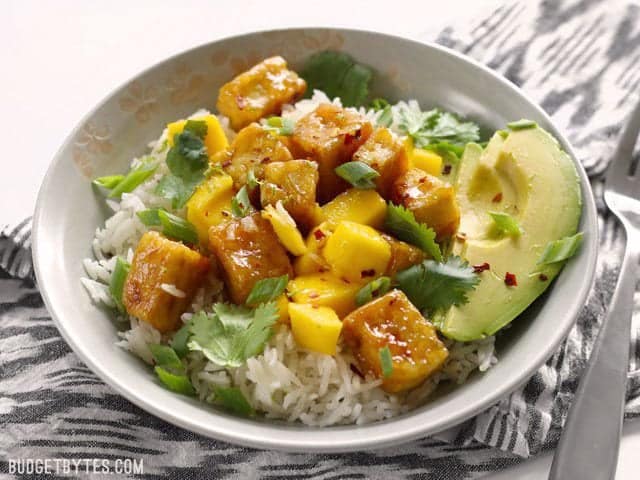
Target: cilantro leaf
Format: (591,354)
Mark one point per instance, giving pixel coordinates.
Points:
(379,104)
(386,361)
(198,127)
(560,250)
(232,399)
(358,174)
(240,203)
(232,334)
(373,289)
(267,290)
(432,285)
(180,340)
(506,224)
(337,75)
(175,189)
(385,117)
(402,224)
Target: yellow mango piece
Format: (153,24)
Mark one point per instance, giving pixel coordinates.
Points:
(282,303)
(425,160)
(206,206)
(355,205)
(325,290)
(315,328)
(215,140)
(285,228)
(312,261)
(357,252)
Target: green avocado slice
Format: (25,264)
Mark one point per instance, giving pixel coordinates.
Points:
(528,176)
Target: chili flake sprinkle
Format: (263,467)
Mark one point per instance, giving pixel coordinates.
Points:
(543,277)
(447,169)
(510,280)
(497,198)
(481,267)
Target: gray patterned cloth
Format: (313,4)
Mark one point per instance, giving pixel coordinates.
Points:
(581,61)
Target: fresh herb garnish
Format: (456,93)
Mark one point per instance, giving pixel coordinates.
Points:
(402,224)
(267,290)
(149,217)
(386,361)
(378,104)
(506,224)
(134,178)
(560,250)
(198,127)
(170,369)
(232,334)
(385,117)
(180,340)
(116,284)
(373,289)
(358,174)
(252,181)
(522,124)
(280,126)
(172,226)
(433,285)
(337,75)
(240,203)
(108,181)
(232,399)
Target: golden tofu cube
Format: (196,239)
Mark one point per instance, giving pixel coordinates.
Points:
(392,321)
(248,250)
(160,266)
(324,290)
(293,183)
(355,205)
(259,92)
(403,256)
(356,252)
(432,201)
(386,154)
(215,140)
(210,204)
(252,149)
(330,135)
(315,328)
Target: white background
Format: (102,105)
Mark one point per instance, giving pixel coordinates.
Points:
(60,58)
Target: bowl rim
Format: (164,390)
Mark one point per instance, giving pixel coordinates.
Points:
(344,438)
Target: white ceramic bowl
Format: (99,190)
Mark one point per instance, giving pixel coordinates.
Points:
(68,212)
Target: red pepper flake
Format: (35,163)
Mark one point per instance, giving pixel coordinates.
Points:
(265,160)
(446,170)
(313,295)
(348,138)
(481,267)
(367,273)
(318,234)
(241,102)
(345,280)
(226,163)
(422,180)
(510,280)
(392,301)
(543,277)
(355,370)
(497,198)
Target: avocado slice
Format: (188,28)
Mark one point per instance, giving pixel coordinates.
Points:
(528,176)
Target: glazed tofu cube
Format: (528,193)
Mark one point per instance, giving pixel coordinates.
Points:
(259,92)
(392,321)
(294,184)
(432,201)
(386,154)
(248,250)
(163,279)
(252,149)
(330,135)
(403,256)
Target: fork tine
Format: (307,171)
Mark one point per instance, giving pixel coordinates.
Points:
(623,157)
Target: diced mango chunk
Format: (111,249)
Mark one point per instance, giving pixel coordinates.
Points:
(432,201)
(330,135)
(252,149)
(160,265)
(215,140)
(285,228)
(392,321)
(386,154)
(248,250)
(426,160)
(315,328)
(294,184)
(403,256)
(356,252)
(259,92)
(355,205)
(312,260)
(210,204)
(282,303)
(324,290)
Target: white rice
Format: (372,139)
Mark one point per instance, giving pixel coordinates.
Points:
(285,382)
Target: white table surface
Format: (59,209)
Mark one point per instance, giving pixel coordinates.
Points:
(60,58)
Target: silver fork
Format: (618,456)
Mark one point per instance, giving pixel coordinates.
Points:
(588,448)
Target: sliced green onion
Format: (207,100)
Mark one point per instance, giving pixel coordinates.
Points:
(150,217)
(240,204)
(166,357)
(560,250)
(379,104)
(281,126)
(178,383)
(181,339)
(506,224)
(252,181)
(233,400)
(267,290)
(134,178)
(503,133)
(358,174)
(116,285)
(386,361)
(177,228)
(374,289)
(109,181)
(522,124)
